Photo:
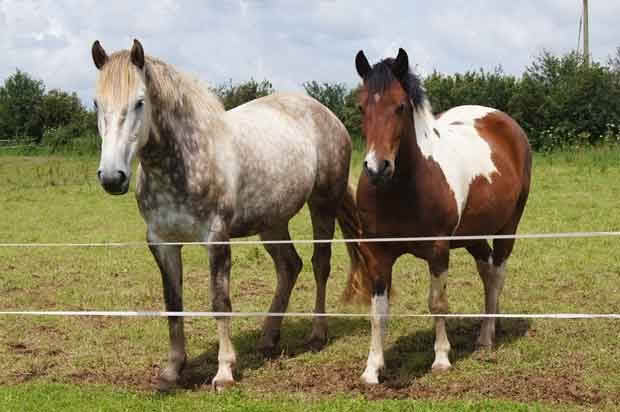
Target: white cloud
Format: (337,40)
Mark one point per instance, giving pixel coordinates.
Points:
(290,42)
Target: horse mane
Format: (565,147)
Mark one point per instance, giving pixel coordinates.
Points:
(381,76)
(169,89)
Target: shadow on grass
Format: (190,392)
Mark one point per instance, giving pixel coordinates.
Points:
(408,358)
(411,356)
(294,342)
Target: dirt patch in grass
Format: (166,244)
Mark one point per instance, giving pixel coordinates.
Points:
(553,387)
(293,376)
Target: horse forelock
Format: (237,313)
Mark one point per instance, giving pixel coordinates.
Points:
(174,91)
(381,77)
(118,79)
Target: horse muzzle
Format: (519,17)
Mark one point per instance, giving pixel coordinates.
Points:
(379,173)
(115,183)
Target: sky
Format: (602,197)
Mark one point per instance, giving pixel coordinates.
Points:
(291,42)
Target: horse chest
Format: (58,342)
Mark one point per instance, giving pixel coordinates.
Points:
(406,209)
(171,219)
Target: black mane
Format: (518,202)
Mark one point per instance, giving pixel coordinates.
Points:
(381,76)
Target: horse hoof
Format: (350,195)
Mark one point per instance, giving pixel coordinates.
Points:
(483,346)
(164,385)
(316,343)
(268,345)
(220,385)
(440,368)
(268,351)
(370,379)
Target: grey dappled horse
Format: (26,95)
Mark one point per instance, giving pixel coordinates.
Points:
(206,174)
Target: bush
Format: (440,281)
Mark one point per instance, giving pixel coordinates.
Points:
(565,95)
(235,95)
(20,107)
(493,89)
(342,102)
(79,135)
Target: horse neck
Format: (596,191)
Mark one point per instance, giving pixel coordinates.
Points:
(182,122)
(417,143)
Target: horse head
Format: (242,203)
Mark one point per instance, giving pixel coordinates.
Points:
(123,113)
(387,99)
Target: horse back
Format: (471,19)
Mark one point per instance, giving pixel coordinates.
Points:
(297,123)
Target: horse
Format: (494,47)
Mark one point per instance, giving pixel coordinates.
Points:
(209,175)
(465,172)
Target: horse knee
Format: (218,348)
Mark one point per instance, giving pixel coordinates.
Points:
(292,267)
(438,296)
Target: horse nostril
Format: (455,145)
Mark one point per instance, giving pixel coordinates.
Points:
(365,164)
(99,173)
(386,164)
(384,167)
(122,176)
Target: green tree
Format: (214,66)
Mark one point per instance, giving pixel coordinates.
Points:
(343,102)
(20,107)
(493,89)
(352,116)
(614,61)
(59,108)
(235,95)
(332,95)
(561,101)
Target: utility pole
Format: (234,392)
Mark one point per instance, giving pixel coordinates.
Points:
(586,34)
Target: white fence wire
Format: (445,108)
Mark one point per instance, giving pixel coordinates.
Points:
(154,314)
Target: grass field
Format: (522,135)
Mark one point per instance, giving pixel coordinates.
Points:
(84,363)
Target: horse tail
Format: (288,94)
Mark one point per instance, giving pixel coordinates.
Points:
(359,286)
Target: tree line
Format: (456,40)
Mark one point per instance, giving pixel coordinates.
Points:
(559,100)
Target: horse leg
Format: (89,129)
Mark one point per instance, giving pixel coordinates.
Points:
(438,304)
(323,225)
(491,271)
(219,264)
(380,271)
(288,265)
(168,259)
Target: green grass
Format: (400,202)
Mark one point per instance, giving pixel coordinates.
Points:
(55,363)
(69,398)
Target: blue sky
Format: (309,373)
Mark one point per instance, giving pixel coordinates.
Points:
(290,42)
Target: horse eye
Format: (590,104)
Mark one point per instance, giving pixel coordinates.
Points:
(95,105)
(139,104)
(360,108)
(400,108)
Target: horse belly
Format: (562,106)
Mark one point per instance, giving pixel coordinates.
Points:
(267,206)
(490,206)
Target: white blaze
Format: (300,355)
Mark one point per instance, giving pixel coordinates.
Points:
(371,160)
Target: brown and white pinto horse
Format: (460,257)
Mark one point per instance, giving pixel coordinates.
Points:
(466,172)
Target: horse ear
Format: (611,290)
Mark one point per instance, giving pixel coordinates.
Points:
(401,64)
(99,55)
(137,54)
(362,65)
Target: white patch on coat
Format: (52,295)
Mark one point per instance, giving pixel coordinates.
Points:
(462,154)
(379,312)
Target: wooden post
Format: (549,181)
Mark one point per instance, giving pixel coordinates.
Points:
(586,34)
